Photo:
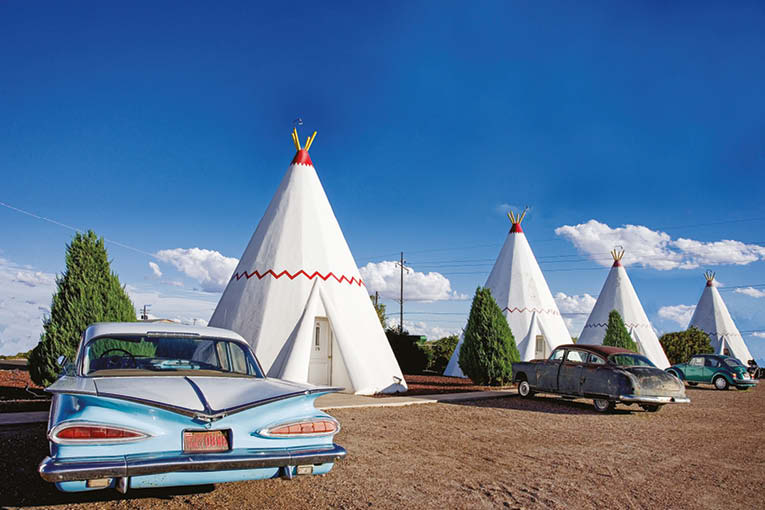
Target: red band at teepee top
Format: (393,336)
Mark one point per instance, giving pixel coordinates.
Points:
(617,263)
(302,158)
(516,228)
(710,284)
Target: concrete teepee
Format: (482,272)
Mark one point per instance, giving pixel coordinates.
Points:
(711,316)
(297,296)
(520,290)
(618,294)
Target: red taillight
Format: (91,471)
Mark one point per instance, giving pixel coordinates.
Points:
(310,427)
(85,433)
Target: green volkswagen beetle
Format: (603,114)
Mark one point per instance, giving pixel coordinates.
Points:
(722,371)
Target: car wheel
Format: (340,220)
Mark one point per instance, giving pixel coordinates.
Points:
(721,383)
(524,389)
(651,408)
(742,388)
(603,406)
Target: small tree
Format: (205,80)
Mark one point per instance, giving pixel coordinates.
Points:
(489,349)
(87,292)
(617,334)
(681,345)
(442,351)
(380,309)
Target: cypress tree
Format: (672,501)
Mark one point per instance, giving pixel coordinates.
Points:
(617,334)
(86,292)
(489,349)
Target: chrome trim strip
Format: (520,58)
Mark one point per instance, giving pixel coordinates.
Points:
(654,400)
(87,468)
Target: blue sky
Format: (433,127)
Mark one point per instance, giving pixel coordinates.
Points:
(166,128)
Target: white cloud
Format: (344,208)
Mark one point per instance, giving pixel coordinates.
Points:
(655,249)
(25,298)
(575,310)
(751,291)
(681,314)
(211,269)
(506,208)
(155,269)
(431,332)
(759,334)
(384,277)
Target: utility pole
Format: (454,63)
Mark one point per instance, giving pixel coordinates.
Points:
(377,299)
(401,299)
(145,312)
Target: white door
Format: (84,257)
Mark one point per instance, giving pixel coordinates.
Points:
(541,348)
(320,366)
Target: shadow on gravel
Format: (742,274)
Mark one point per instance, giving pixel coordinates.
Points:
(544,404)
(29,490)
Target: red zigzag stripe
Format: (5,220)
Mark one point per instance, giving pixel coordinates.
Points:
(537,310)
(292,276)
(605,325)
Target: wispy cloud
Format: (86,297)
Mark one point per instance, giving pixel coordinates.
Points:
(385,277)
(751,291)
(575,310)
(155,269)
(656,249)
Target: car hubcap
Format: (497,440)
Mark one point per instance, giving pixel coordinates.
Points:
(720,383)
(601,404)
(523,388)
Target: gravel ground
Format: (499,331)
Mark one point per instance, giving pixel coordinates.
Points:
(430,384)
(539,453)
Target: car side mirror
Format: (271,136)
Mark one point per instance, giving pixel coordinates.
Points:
(61,361)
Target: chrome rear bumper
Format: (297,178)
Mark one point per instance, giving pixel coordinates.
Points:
(90,468)
(645,399)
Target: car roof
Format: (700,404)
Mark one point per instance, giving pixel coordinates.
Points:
(603,350)
(146,327)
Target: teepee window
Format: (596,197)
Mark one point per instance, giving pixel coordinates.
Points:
(317,339)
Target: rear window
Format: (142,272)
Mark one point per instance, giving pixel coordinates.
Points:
(163,355)
(733,362)
(630,360)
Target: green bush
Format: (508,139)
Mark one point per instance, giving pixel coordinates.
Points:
(489,349)
(681,345)
(617,334)
(441,352)
(87,292)
(412,356)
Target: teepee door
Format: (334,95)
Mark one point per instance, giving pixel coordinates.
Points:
(320,367)
(541,348)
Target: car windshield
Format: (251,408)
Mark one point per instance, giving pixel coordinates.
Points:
(630,360)
(168,355)
(733,362)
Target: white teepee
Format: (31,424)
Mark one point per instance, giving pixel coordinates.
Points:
(618,294)
(711,315)
(297,296)
(520,290)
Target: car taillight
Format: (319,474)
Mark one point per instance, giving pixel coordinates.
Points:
(318,427)
(81,433)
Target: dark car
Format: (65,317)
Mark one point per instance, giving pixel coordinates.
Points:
(608,375)
(722,371)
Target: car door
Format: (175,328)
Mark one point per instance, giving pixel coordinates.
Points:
(593,380)
(570,374)
(695,370)
(547,371)
(711,366)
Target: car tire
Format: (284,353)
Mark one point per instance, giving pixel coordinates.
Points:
(524,389)
(720,382)
(603,406)
(743,388)
(651,408)
(693,384)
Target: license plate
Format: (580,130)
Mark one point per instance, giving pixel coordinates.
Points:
(206,441)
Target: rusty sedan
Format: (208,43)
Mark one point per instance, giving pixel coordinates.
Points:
(608,375)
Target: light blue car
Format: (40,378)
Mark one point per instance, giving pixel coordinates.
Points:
(160,404)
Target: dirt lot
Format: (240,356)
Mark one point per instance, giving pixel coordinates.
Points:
(542,453)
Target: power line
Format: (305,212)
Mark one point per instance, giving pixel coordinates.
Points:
(117,243)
